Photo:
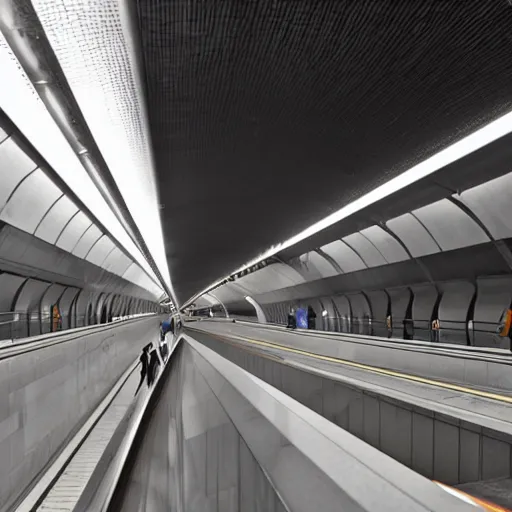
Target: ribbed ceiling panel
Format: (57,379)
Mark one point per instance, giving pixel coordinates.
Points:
(268,115)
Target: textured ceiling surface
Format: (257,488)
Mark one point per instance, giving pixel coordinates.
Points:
(267,115)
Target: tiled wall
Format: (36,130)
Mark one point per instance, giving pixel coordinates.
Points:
(46,394)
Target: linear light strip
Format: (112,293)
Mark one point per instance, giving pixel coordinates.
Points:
(478,139)
(93,44)
(20,101)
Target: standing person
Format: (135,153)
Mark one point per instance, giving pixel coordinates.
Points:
(435,330)
(164,350)
(165,327)
(292,321)
(311,318)
(56,318)
(154,363)
(144,363)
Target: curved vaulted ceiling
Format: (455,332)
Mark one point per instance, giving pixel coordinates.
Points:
(266,116)
(238,124)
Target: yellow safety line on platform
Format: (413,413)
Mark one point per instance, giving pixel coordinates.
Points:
(374,369)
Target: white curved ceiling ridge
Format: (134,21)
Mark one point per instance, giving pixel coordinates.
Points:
(21,102)
(92,42)
(469,144)
(54,218)
(478,139)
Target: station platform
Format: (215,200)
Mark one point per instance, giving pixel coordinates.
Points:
(246,417)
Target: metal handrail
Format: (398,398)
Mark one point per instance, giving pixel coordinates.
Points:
(398,343)
(46,340)
(21,325)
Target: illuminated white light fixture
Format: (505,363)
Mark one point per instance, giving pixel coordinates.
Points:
(469,144)
(324,313)
(22,104)
(93,43)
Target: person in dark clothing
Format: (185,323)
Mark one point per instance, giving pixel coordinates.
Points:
(144,363)
(292,320)
(154,363)
(164,351)
(311,318)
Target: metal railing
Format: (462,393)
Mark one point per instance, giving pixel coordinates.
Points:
(15,325)
(449,331)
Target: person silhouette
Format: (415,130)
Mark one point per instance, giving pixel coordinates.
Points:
(144,362)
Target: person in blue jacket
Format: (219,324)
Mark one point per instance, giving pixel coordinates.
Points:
(165,327)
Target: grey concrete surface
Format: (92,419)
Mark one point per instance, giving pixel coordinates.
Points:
(47,393)
(221,440)
(487,368)
(499,491)
(442,434)
(66,492)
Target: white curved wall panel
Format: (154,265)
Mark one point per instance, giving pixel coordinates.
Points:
(211,299)
(306,267)
(137,276)
(344,256)
(390,249)
(88,239)
(228,293)
(31,200)
(491,204)
(287,273)
(322,265)
(73,231)
(100,250)
(450,226)
(416,238)
(204,302)
(117,262)
(14,166)
(272,277)
(55,220)
(370,255)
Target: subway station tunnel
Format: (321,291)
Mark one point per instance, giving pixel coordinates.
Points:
(314,197)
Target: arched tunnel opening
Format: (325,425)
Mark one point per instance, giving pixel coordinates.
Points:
(104,314)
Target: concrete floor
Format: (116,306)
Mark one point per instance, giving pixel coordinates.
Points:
(498,491)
